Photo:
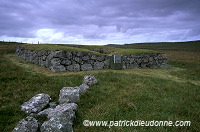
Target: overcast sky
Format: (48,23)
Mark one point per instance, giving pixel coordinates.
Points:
(99,21)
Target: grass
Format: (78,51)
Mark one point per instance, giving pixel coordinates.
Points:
(131,94)
(86,48)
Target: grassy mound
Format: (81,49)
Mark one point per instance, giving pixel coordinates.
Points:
(85,48)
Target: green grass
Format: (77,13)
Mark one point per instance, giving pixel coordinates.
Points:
(86,48)
(128,52)
(131,94)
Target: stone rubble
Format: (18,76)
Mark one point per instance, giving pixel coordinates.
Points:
(60,117)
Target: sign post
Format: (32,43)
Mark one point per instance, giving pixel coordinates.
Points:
(116,62)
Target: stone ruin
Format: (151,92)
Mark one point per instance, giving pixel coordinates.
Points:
(59,60)
(60,117)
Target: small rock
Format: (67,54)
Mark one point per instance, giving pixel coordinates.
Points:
(66,62)
(86,67)
(83,88)
(55,61)
(89,80)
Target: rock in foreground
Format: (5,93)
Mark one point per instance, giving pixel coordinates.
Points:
(28,124)
(36,103)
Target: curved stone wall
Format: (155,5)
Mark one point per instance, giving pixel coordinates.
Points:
(59,60)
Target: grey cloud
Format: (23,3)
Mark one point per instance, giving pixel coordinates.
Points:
(77,17)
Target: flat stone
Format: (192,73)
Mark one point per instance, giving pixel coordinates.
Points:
(58,54)
(36,103)
(69,95)
(66,110)
(86,67)
(98,65)
(101,58)
(57,68)
(73,67)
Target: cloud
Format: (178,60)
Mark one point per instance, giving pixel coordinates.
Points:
(99,22)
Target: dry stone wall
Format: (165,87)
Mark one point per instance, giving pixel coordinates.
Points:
(59,60)
(155,60)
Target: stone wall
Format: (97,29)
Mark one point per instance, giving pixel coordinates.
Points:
(155,60)
(59,60)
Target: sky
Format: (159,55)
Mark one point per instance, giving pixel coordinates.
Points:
(97,22)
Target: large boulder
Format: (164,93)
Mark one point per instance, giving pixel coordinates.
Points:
(28,124)
(69,95)
(86,67)
(89,80)
(36,103)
